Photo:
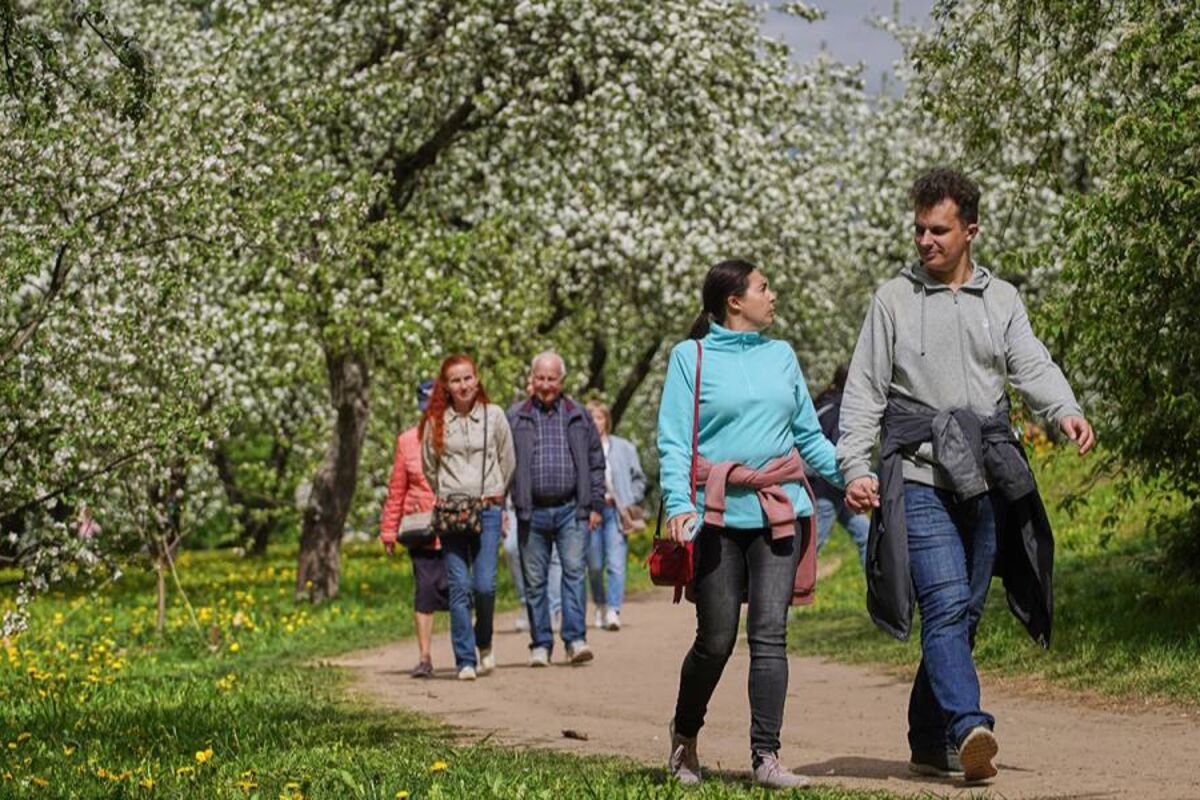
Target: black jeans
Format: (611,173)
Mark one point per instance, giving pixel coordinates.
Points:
(731,564)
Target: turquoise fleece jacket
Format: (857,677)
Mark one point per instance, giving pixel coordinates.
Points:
(754,407)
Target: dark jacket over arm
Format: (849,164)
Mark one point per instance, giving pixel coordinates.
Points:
(977,453)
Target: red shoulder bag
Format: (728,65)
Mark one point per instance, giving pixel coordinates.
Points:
(671,562)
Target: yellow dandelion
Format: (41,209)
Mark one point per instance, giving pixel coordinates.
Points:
(184,771)
(439,766)
(146,782)
(203,756)
(24,736)
(402,795)
(234,647)
(68,750)
(41,783)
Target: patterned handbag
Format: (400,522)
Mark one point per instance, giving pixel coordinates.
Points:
(462,514)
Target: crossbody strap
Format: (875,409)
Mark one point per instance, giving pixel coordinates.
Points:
(483,469)
(696,421)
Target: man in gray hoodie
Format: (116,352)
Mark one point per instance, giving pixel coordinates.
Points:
(938,347)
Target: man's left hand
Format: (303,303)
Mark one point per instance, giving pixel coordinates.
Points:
(1079,431)
(594,520)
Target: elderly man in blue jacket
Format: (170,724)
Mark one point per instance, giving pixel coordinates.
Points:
(953,495)
(558,494)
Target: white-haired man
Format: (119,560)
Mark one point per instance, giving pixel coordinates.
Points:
(557,490)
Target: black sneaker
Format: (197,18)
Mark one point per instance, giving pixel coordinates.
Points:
(936,764)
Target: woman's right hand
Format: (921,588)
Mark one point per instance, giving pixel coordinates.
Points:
(678,525)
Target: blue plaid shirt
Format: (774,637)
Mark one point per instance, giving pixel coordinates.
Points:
(553,467)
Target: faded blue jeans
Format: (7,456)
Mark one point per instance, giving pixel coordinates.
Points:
(471,573)
(558,528)
(951,549)
(858,526)
(512,554)
(607,552)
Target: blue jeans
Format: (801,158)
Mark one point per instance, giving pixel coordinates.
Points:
(471,573)
(512,554)
(951,549)
(554,528)
(607,552)
(857,525)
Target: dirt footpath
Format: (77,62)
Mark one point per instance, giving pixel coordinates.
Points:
(844,724)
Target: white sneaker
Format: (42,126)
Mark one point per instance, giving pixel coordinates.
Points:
(539,657)
(612,620)
(579,652)
(598,620)
(487,661)
(976,753)
(521,623)
(466,674)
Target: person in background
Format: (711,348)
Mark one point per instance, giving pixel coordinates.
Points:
(558,491)
(467,450)
(408,508)
(608,545)
(831,501)
(512,551)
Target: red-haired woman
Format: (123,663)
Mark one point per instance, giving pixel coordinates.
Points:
(468,458)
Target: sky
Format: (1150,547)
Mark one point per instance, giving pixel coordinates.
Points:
(846,33)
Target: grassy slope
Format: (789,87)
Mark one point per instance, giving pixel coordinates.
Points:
(1120,629)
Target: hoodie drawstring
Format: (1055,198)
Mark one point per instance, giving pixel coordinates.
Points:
(924,294)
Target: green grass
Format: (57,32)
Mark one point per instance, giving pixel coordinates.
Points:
(1121,629)
(235,705)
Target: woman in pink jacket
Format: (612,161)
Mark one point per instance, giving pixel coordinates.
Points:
(406,516)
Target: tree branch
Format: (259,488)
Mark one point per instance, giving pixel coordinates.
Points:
(24,332)
(109,467)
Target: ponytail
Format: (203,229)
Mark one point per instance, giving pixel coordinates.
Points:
(701,326)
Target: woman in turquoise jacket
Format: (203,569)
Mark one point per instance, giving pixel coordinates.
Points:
(756,422)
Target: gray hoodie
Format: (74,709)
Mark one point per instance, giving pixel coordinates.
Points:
(947,349)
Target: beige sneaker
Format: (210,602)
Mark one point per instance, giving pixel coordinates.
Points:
(598,617)
(487,661)
(770,773)
(466,674)
(976,753)
(683,763)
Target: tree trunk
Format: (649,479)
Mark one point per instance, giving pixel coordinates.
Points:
(258,534)
(160,569)
(333,484)
(633,381)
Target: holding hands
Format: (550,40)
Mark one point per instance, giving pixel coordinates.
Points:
(862,494)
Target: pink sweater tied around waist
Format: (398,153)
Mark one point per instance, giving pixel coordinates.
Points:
(776,504)
(781,516)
